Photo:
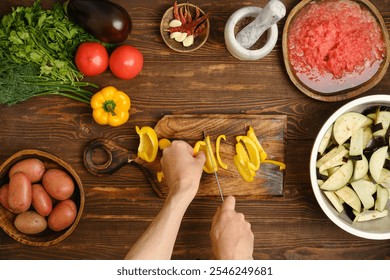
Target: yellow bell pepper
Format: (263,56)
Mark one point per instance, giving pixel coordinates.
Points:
(210,159)
(251,134)
(247,174)
(160,176)
(243,156)
(281,165)
(110,106)
(252,150)
(163,143)
(217,149)
(243,163)
(148,146)
(262,153)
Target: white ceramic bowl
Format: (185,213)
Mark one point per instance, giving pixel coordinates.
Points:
(374,229)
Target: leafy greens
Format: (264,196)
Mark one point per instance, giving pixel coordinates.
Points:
(43,37)
(20,82)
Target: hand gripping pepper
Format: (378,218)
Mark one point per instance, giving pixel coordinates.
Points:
(148,145)
(110,106)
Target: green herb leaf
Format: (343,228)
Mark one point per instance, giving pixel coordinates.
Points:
(44,37)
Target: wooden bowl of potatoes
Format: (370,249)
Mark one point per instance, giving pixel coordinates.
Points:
(41,198)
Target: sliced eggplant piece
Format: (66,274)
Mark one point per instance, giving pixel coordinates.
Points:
(322,175)
(356,146)
(382,197)
(377,161)
(383,118)
(364,193)
(360,169)
(368,215)
(367,136)
(340,178)
(333,170)
(325,140)
(350,197)
(347,124)
(332,158)
(384,179)
(386,165)
(365,184)
(377,127)
(335,200)
(371,112)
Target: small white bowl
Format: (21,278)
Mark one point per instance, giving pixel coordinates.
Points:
(374,229)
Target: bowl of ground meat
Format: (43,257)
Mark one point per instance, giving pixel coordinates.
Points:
(335,49)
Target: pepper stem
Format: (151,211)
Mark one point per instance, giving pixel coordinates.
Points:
(109,107)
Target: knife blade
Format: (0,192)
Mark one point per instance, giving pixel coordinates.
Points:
(214,167)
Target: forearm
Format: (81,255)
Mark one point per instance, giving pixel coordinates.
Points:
(158,240)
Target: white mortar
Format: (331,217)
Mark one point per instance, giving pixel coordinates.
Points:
(235,48)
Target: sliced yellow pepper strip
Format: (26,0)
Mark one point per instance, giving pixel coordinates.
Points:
(252,135)
(110,106)
(243,169)
(202,146)
(243,156)
(163,143)
(252,150)
(160,176)
(217,148)
(281,165)
(148,146)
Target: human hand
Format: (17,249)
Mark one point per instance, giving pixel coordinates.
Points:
(231,235)
(182,170)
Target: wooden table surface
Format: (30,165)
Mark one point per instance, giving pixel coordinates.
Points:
(208,81)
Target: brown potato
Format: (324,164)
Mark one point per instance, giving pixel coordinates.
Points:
(32,167)
(4,196)
(19,193)
(58,184)
(41,201)
(63,215)
(30,222)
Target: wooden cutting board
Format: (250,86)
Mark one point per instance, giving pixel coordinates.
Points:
(270,130)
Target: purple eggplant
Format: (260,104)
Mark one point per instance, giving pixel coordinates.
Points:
(107,21)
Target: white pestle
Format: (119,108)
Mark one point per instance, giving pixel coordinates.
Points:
(268,16)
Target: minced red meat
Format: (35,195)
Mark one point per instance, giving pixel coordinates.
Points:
(335,37)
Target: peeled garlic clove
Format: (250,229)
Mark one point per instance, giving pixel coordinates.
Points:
(174,35)
(181,37)
(188,41)
(175,23)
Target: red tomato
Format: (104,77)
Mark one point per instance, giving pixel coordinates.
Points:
(126,62)
(91,58)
